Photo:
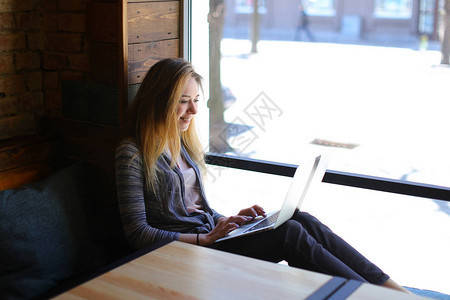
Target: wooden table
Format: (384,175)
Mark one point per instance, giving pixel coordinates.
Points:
(183,271)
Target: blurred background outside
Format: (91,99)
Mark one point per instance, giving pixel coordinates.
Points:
(366,82)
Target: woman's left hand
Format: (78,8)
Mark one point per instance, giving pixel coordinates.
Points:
(253,211)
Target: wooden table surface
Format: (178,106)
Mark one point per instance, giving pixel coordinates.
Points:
(183,271)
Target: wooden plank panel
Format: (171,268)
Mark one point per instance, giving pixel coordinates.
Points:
(28,159)
(123,73)
(153,21)
(26,154)
(25,140)
(15,178)
(143,56)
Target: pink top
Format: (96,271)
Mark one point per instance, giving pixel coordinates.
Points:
(192,196)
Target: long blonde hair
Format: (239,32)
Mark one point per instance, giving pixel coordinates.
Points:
(152,117)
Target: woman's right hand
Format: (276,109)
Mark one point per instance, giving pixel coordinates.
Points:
(223,227)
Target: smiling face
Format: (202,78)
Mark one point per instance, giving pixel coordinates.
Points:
(188,104)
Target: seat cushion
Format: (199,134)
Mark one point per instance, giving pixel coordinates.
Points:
(44,234)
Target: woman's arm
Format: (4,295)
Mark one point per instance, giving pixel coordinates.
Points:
(216,216)
(130,193)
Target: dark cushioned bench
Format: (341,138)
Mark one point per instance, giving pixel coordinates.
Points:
(54,231)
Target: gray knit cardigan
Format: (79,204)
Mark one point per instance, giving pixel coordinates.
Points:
(151,215)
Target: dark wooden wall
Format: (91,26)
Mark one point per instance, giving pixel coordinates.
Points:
(125,39)
(153,32)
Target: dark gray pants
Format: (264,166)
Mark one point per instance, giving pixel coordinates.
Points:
(304,242)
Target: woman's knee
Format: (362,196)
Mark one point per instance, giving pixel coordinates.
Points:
(304,216)
(312,225)
(292,229)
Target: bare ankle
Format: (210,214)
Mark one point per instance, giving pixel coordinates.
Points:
(394,285)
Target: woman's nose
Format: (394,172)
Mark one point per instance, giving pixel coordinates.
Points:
(193,108)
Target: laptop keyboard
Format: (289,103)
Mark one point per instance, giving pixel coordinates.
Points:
(264,223)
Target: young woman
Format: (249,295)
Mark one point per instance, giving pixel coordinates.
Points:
(159,167)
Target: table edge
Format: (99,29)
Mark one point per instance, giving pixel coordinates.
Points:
(66,286)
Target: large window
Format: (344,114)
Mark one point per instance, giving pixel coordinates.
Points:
(380,111)
(377,106)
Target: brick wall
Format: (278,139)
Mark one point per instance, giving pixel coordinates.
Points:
(42,42)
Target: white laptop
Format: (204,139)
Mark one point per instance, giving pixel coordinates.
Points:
(309,172)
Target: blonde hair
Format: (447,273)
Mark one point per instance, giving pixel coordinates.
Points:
(152,117)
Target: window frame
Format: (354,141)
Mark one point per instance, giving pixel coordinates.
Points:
(335,177)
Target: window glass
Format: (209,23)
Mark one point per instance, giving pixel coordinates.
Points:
(374,99)
(400,9)
(375,223)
